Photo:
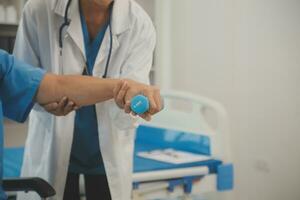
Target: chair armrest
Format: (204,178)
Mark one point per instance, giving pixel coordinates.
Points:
(38,185)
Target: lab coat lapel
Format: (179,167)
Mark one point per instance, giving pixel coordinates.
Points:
(120,16)
(74,30)
(119,23)
(103,54)
(59,6)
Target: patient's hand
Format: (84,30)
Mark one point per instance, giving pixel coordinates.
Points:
(127,89)
(61,108)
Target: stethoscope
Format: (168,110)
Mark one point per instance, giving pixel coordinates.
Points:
(67,22)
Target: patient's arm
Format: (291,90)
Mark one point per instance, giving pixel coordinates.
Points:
(86,90)
(82,90)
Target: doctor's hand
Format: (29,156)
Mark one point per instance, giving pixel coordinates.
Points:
(61,108)
(127,89)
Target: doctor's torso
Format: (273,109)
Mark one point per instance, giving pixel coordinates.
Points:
(49,139)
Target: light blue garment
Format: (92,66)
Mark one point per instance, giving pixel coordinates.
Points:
(18,85)
(85,154)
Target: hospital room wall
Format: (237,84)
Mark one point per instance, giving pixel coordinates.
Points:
(245,54)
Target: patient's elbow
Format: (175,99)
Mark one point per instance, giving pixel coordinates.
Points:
(49,89)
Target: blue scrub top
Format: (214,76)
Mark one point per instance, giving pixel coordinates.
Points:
(18,85)
(85,153)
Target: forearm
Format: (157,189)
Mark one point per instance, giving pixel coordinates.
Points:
(82,90)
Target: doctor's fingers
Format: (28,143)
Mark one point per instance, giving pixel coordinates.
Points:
(51,107)
(120,98)
(153,96)
(58,109)
(152,104)
(127,107)
(155,106)
(159,101)
(69,107)
(62,104)
(118,88)
(146,116)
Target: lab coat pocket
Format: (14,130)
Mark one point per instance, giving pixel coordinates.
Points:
(126,141)
(119,118)
(126,135)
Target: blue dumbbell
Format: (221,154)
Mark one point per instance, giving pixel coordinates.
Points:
(140,104)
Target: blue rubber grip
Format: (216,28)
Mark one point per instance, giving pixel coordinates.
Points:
(140,104)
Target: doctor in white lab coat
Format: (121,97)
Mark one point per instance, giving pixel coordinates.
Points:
(49,142)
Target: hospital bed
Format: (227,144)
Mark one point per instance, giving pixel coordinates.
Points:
(189,123)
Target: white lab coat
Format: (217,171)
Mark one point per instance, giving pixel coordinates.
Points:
(49,139)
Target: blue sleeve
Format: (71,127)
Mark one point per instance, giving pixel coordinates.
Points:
(19,83)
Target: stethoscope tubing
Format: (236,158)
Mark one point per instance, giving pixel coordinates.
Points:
(67,22)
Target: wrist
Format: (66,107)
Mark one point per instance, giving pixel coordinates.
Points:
(114,85)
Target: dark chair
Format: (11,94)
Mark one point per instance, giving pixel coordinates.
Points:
(38,185)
